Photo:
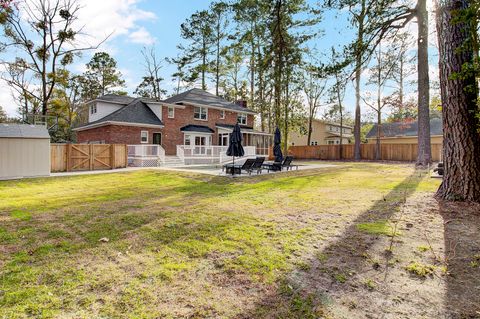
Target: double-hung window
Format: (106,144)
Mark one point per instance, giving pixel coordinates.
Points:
(93,109)
(242,118)
(144,137)
(222,114)
(200,113)
(171,112)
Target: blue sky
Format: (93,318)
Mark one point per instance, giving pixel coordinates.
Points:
(134,24)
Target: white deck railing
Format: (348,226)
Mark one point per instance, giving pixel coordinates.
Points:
(190,154)
(146,155)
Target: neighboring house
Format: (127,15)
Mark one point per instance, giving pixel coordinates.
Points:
(405,132)
(323,133)
(194,118)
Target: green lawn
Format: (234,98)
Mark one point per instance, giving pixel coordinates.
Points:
(180,245)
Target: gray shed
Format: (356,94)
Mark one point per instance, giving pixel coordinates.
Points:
(24,151)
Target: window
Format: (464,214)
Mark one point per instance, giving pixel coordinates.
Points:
(242,118)
(316,143)
(93,109)
(330,142)
(187,140)
(171,112)
(144,136)
(222,114)
(200,113)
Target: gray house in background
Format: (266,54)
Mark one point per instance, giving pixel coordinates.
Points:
(405,132)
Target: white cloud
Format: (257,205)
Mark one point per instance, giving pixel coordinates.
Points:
(112,18)
(7,101)
(141,36)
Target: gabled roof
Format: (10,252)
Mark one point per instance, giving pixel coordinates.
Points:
(113,98)
(23,131)
(405,129)
(197,96)
(135,112)
(196,128)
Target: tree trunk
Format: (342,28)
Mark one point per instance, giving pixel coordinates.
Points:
(358,74)
(379,130)
(309,137)
(461,139)
(424,147)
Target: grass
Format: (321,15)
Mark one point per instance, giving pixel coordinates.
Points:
(379,227)
(175,241)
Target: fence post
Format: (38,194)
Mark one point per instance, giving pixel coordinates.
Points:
(90,148)
(68,156)
(112,156)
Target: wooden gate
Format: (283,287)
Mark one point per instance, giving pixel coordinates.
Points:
(87,157)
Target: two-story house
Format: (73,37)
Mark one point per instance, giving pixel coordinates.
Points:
(192,118)
(323,133)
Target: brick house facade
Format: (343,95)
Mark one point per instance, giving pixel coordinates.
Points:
(135,121)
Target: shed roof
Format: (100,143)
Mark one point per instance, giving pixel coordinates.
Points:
(23,131)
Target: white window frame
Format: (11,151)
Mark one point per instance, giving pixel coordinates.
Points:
(243,116)
(222,114)
(93,109)
(141,137)
(171,116)
(201,109)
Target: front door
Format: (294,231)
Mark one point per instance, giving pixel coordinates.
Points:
(157,138)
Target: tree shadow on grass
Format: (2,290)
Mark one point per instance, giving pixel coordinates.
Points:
(462,251)
(304,293)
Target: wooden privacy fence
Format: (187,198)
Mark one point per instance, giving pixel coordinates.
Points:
(87,157)
(388,152)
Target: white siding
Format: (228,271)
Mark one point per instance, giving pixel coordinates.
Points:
(157,109)
(103,109)
(24,157)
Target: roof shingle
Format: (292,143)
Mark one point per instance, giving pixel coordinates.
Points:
(404,129)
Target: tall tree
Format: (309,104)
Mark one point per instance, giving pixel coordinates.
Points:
(198,31)
(424,144)
(102,76)
(381,73)
(44,35)
(337,92)
(150,85)
(219,16)
(315,85)
(458,57)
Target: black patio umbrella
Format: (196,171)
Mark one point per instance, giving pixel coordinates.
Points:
(277,149)
(235,149)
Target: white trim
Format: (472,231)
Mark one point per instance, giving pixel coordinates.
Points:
(222,114)
(161,138)
(206,113)
(246,118)
(218,107)
(87,127)
(141,137)
(168,112)
(246,131)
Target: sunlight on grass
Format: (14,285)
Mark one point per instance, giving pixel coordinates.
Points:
(168,231)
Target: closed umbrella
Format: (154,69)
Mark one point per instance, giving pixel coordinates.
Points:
(235,149)
(277,149)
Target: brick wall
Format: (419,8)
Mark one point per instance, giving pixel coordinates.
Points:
(116,134)
(171,134)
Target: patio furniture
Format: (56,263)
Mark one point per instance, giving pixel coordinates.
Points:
(278,166)
(237,169)
(258,165)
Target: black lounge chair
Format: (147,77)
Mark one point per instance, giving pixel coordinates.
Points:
(278,166)
(258,165)
(246,166)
